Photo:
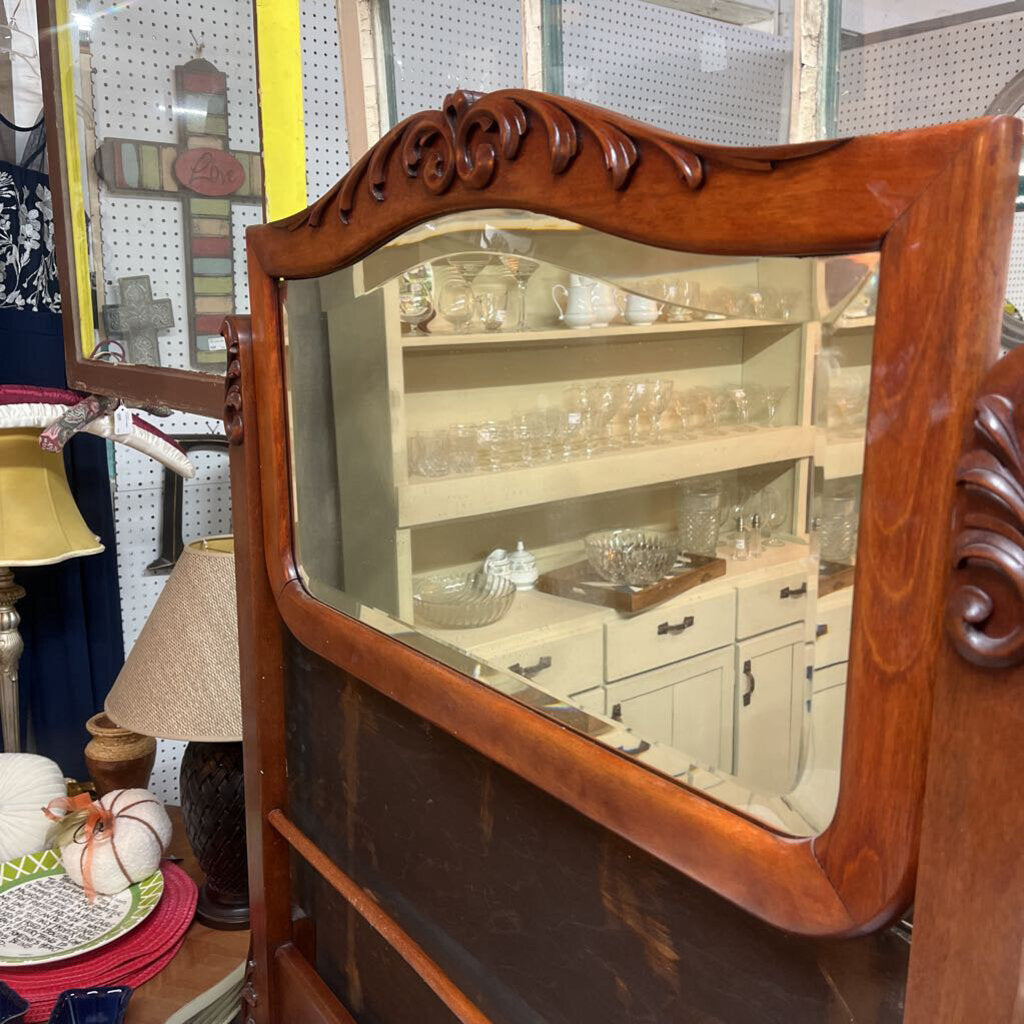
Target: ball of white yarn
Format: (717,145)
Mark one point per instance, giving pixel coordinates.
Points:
(141,832)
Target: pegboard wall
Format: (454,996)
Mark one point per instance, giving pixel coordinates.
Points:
(323,98)
(716,82)
(440,47)
(948,74)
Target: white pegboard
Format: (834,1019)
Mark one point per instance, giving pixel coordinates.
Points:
(438,48)
(695,76)
(135,48)
(948,74)
(323,99)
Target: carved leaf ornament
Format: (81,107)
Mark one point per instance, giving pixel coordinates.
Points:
(991,539)
(473,132)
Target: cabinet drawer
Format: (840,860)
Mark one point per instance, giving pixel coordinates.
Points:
(590,700)
(568,664)
(669,633)
(833,620)
(770,603)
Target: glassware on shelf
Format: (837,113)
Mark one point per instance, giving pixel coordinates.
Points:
(470,264)
(604,399)
(429,453)
(659,397)
(639,422)
(637,558)
(462,601)
(455,299)
(462,448)
(838,529)
(491,301)
(415,308)
(522,269)
(740,396)
(682,300)
(773,396)
(773,515)
(701,515)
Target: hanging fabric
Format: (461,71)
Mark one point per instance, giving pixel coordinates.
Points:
(71,614)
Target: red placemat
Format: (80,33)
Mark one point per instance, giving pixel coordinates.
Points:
(129,960)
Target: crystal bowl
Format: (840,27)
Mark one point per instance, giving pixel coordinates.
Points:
(463,601)
(635,557)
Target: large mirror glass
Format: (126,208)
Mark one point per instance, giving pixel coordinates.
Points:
(618,483)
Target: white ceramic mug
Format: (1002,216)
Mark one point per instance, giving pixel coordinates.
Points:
(577,311)
(641,310)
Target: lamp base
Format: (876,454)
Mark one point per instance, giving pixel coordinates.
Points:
(11,646)
(213,810)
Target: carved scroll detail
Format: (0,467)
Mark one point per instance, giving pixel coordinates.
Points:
(467,139)
(233,424)
(990,537)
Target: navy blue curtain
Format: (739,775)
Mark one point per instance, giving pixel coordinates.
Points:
(71,614)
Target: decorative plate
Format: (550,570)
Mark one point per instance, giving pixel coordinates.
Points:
(45,917)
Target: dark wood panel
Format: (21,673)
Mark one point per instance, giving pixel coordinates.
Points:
(304,995)
(535,912)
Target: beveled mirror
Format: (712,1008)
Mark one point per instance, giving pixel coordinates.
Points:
(628,461)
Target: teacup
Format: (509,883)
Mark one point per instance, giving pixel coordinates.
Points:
(641,310)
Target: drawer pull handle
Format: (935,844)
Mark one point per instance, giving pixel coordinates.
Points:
(543,662)
(750,683)
(616,712)
(822,629)
(794,591)
(676,627)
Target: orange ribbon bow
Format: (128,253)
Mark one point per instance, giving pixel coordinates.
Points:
(99,828)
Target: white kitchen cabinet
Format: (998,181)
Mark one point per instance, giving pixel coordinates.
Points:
(771,681)
(687,705)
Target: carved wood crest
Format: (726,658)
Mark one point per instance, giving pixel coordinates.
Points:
(232,330)
(467,139)
(990,538)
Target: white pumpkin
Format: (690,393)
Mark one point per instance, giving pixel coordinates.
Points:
(141,832)
(28,782)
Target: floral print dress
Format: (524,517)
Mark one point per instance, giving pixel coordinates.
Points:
(28,264)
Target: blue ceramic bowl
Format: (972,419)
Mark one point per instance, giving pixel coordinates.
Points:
(12,1007)
(91,1006)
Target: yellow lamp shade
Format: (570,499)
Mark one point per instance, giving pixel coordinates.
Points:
(39,520)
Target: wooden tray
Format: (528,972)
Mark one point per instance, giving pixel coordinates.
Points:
(581,583)
(833,576)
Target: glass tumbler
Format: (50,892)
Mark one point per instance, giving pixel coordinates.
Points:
(700,518)
(429,453)
(838,528)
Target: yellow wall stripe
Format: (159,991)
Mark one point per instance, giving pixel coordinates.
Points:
(75,191)
(279,51)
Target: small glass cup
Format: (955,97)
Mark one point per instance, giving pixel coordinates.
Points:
(429,453)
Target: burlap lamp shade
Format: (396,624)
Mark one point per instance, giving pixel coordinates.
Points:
(181,679)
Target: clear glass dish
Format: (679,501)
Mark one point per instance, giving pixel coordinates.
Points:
(463,601)
(635,557)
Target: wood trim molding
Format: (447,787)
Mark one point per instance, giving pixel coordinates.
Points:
(990,538)
(939,305)
(303,994)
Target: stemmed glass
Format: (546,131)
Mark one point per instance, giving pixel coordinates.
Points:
(637,399)
(659,395)
(414,306)
(772,397)
(740,396)
(455,299)
(522,269)
(773,515)
(604,399)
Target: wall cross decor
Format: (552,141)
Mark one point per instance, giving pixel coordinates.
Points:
(138,318)
(207,178)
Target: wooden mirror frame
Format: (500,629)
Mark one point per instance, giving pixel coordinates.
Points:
(936,202)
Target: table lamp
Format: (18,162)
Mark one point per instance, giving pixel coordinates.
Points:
(181,682)
(39,525)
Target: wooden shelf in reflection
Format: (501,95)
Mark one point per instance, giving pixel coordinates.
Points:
(454,497)
(844,458)
(855,323)
(584,334)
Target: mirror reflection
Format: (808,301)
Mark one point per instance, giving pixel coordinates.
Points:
(620,484)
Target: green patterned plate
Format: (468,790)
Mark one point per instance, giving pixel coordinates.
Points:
(45,917)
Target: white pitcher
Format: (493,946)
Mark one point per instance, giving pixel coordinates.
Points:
(578,311)
(641,310)
(604,303)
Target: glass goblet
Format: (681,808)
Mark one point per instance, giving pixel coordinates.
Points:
(773,395)
(414,306)
(773,515)
(522,269)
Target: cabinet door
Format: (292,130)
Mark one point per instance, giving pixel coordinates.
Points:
(688,704)
(770,681)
